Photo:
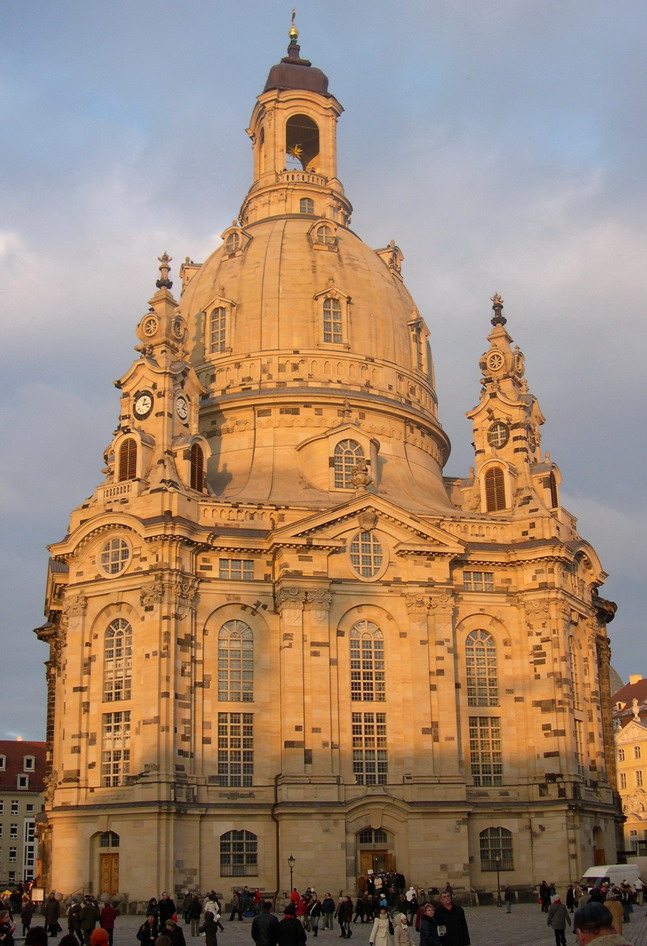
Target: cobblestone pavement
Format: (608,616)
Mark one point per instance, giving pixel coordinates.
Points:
(489,926)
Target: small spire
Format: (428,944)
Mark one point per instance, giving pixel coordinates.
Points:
(164,282)
(497,305)
(294,33)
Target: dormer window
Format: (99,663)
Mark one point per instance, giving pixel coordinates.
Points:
(218,329)
(332,321)
(325,235)
(23,781)
(232,243)
(3,763)
(29,763)
(347,455)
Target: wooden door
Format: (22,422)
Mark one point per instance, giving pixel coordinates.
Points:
(109,873)
(375,861)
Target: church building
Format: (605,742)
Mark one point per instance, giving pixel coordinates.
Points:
(281,642)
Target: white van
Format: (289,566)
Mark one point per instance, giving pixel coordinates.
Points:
(612,874)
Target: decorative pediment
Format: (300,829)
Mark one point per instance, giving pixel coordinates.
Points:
(631,734)
(412,535)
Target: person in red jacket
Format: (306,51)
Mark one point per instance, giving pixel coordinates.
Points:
(107,919)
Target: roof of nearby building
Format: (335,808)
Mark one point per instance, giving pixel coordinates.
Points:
(622,701)
(14,752)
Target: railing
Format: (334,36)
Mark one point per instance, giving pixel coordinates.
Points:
(302,177)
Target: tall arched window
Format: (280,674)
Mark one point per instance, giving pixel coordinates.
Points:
(367,663)
(481,669)
(494,489)
(346,457)
(332,321)
(117,661)
(575,656)
(238,854)
(496,849)
(218,329)
(196,460)
(128,459)
(552,489)
(235,662)
(301,142)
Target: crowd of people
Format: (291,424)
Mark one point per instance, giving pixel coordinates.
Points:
(606,907)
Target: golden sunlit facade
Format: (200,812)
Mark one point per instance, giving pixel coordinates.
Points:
(276,628)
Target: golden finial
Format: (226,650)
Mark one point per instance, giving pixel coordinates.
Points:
(294,33)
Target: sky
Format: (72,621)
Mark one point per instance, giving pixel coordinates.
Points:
(501,143)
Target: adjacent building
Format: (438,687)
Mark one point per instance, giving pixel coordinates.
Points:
(22,770)
(630,722)
(276,629)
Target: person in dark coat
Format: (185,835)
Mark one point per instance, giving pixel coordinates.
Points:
(26,914)
(265,926)
(52,914)
(166,908)
(451,916)
(107,919)
(344,916)
(148,931)
(291,931)
(428,927)
(210,929)
(175,933)
(236,906)
(194,912)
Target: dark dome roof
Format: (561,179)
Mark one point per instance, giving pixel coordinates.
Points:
(295,73)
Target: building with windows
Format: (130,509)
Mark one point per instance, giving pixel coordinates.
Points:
(276,628)
(22,770)
(630,724)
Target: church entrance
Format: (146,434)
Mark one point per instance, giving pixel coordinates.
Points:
(109,873)
(374,851)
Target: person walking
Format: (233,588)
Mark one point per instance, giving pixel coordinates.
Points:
(451,922)
(291,931)
(265,926)
(558,918)
(328,911)
(166,910)
(344,914)
(210,929)
(193,913)
(401,936)
(382,929)
(52,914)
(508,896)
(107,918)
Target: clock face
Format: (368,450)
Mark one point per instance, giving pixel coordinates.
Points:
(150,326)
(143,404)
(181,407)
(494,361)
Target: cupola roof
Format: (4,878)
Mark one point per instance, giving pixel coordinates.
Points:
(295,73)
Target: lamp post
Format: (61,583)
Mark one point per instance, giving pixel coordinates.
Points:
(497,866)
(291,863)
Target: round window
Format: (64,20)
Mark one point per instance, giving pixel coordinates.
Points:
(498,435)
(115,555)
(366,554)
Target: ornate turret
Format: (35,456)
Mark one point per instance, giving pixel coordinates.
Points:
(509,471)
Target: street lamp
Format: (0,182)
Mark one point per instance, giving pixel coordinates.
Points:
(291,863)
(497,867)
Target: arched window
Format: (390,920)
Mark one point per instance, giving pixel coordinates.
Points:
(117,661)
(372,836)
(552,489)
(481,669)
(575,656)
(332,321)
(367,663)
(496,849)
(494,489)
(306,205)
(218,329)
(238,854)
(196,460)
(235,662)
(109,839)
(115,555)
(346,456)
(301,142)
(128,459)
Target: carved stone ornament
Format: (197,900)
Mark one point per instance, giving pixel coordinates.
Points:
(367,520)
(360,477)
(186,588)
(417,603)
(319,600)
(58,643)
(74,605)
(152,594)
(290,598)
(50,781)
(441,602)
